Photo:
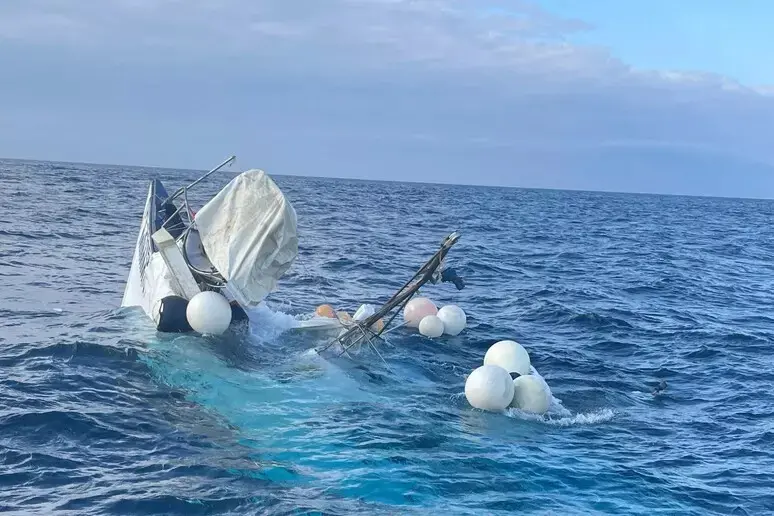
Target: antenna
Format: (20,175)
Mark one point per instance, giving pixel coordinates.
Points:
(205,176)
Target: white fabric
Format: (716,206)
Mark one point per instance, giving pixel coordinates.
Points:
(249,234)
(364,312)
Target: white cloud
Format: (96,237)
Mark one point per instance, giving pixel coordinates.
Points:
(453,33)
(506,38)
(388,75)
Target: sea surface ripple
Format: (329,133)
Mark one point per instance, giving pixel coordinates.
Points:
(610,293)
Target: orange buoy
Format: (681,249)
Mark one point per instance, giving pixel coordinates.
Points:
(325,311)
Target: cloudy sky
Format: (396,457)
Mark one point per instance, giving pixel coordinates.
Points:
(635,95)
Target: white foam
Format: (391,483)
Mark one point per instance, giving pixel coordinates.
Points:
(557,414)
(589,418)
(266,324)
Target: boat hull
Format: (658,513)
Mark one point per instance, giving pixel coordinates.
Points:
(151,284)
(149,278)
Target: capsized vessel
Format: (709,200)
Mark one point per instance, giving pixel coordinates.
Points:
(238,244)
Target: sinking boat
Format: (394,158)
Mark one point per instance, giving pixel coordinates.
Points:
(238,244)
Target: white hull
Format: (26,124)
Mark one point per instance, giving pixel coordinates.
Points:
(238,244)
(149,279)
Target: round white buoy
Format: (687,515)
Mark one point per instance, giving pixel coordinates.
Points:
(454,319)
(510,355)
(431,326)
(209,312)
(542,381)
(489,387)
(418,308)
(530,394)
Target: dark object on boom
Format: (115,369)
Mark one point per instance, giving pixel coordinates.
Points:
(450,276)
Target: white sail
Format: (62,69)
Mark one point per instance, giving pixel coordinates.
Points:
(248,231)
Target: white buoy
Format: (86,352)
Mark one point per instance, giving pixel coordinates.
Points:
(510,355)
(489,387)
(454,319)
(533,373)
(209,312)
(431,326)
(416,309)
(531,394)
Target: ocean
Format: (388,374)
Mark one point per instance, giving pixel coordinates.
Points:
(611,294)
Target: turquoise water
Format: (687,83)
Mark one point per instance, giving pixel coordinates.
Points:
(610,293)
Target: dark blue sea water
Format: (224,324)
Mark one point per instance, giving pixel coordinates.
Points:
(610,293)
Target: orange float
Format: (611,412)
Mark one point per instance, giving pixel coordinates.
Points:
(325,311)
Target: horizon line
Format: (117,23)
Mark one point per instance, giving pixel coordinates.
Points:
(555,189)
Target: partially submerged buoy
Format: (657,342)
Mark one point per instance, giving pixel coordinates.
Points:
(489,387)
(510,355)
(530,394)
(431,326)
(417,309)
(454,319)
(209,313)
(325,311)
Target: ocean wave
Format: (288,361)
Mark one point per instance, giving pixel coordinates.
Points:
(99,414)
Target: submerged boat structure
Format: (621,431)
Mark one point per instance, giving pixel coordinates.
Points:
(201,270)
(369,325)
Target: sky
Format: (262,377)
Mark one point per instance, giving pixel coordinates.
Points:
(637,95)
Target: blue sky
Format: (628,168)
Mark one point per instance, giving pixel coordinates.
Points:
(720,36)
(635,95)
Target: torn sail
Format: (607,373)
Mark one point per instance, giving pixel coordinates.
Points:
(248,231)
